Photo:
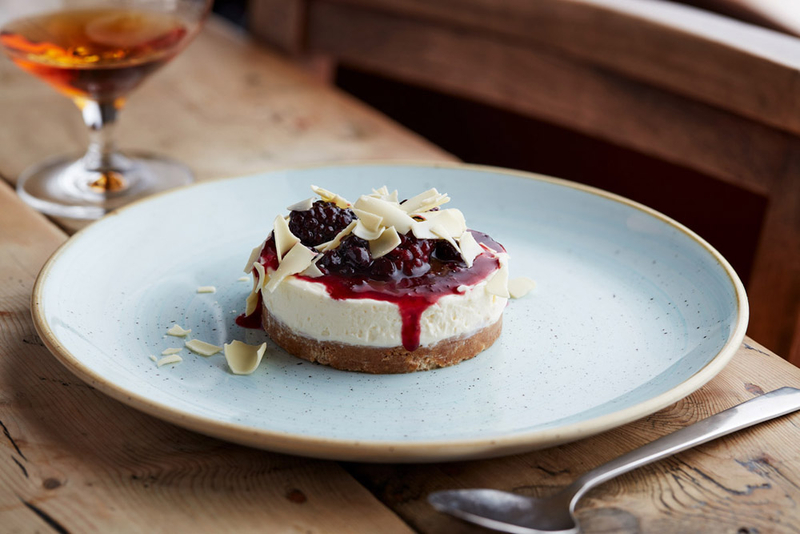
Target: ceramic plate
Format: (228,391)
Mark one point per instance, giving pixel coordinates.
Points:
(631,313)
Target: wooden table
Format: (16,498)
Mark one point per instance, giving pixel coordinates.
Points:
(73,460)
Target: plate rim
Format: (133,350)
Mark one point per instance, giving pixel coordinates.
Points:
(387,450)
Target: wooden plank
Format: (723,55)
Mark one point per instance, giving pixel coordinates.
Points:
(746,482)
(537,83)
(74,460)
(774,288)
(234,108)
(280,23)
(742,68)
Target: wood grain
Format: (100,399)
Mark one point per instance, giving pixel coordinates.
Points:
(74,460)
(745,69)
(746,482)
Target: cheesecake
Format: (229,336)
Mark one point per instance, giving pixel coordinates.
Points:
(378,285)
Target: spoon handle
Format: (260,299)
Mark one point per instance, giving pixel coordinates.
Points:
(763,408)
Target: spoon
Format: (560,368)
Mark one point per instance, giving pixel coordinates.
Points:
(508,512)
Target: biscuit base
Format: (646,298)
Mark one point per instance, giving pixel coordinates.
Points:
(379,360)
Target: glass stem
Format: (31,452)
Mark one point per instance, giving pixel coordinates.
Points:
(102,159)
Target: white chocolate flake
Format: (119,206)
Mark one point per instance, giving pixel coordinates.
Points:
(303,205)
(258,282)
(178,331)
(390,212)
(172,358)
(312,271)
(370,221)
(365,233)
(469,248)
(206,289)
(425,201)
(244,278)
(329,196)
(153,358)
(519,287)
(498,283)
(242,358)
(284,238)
(174,350)
(387,242)
(451,219)
(261,279)
(295,261)
(251,303)
(202,348)
(253,257)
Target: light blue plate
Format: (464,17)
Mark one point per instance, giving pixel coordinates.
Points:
(632,312)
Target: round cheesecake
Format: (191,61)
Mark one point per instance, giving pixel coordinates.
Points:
(427,297)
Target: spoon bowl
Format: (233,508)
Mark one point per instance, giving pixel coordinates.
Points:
(507,512)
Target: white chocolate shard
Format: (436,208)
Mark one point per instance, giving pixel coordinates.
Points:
(178,331)
(391,213)
(284,238)
(333,243)
(202,348)
(370,221)
(173,350)
(251,303)
(153,358)
(253,257)
(519,287)
(425,201)
(242,358)
(243,278)
(329,196)
(303,205)
(387,242)
(295,261)
(441,232)
(498,283)
(206,289)
(172,358)
(384,194)
(365,233)
(469,248)
(451,219)
(312,271)
(260,278)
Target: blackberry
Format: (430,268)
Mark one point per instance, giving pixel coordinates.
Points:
(411,258)
(350,258)
(444,251)
(319,224)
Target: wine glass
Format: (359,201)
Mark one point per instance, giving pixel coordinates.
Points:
(96,52)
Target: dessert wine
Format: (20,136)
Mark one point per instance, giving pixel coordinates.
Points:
(99,54)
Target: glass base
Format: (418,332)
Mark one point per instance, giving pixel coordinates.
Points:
(63,187)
